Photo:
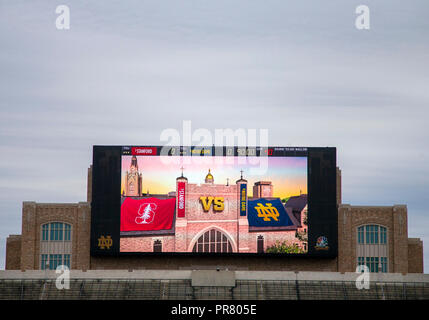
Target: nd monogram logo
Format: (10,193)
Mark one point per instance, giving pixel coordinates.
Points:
(105,242)
(267,212)
(146,213)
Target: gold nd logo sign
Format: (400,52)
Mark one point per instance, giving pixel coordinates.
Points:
(105,242)
(217,202)
(267,212)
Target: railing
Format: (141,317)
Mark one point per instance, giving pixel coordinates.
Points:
(144,289)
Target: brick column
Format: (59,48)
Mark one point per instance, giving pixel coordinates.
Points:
(82,254)
(338,186)
(28,240)
(400,240)
(89,185)
(346,256)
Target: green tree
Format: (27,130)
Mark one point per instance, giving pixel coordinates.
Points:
(284,247)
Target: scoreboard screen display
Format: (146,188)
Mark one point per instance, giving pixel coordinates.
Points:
(214,200)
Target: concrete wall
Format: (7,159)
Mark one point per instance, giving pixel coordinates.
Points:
(228,275)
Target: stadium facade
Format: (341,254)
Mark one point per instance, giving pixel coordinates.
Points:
(59,233)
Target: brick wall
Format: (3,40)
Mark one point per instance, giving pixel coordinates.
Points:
(415,255)
(89,185)
(394,218)
(13,252)
(34,215)
(338,186)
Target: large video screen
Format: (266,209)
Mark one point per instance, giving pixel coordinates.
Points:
(195,200)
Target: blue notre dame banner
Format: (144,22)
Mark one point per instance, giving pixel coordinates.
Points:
(267,213)
(243,199)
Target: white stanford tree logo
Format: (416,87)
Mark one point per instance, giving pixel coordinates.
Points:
(146,213)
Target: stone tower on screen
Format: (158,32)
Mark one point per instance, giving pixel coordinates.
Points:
(133,180)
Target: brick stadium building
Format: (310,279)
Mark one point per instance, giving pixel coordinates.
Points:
(60,232)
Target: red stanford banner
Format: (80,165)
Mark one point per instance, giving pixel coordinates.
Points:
(181,199)
(149,214)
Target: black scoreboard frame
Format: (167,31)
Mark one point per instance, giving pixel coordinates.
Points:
(322,196)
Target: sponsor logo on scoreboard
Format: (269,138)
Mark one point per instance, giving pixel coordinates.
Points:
(322,243)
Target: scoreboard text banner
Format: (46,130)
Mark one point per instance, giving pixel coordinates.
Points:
(243,199)
(181,190)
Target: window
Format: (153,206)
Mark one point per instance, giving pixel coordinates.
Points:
(372,234)
(360,235)
(56,231)
(55,260)
(43,261)
(383,235)
(157,246)
(52,261)
(67,260)
(361,261)
(260,244)
(45,232)
(67,232)
(372,249)
(55,245)
(383,264)
(372,264)
(212,241)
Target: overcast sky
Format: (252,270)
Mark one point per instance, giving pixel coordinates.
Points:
(126,70)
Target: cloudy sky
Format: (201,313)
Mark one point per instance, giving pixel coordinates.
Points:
(127,70)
